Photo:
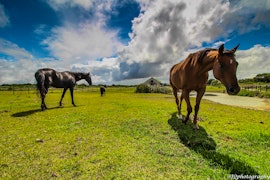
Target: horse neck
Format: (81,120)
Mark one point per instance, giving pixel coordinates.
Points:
(208,61)
(78,76)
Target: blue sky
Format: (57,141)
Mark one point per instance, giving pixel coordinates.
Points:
(127,41)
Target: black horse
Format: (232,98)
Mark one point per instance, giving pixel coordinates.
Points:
(48,77)
(102,90)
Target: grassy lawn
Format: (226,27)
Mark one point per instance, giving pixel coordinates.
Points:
(125,135)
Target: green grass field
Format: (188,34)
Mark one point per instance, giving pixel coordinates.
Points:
(125,135)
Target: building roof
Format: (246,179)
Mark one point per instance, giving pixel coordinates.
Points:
(152,82)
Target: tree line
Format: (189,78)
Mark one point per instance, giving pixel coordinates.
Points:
(259,78)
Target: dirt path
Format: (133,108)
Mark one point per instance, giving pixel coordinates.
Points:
(247,102)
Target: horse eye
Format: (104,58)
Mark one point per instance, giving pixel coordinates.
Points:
(221,66)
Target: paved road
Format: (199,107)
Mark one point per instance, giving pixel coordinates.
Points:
(247,102)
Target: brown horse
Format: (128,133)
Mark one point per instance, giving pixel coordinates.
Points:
(192,74)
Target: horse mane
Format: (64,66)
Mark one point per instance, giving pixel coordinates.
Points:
(76,75)
(197,57)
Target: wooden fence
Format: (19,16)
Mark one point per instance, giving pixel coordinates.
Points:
(32,89)
(260,88)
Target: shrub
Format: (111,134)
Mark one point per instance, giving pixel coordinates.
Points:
(153,89)
(249,93)
(254,94)
(143,89)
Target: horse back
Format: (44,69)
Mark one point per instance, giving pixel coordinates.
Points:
(64,80)
(185,75)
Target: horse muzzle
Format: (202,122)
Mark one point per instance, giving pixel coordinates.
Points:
(233,90)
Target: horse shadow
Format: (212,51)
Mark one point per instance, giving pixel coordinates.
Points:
(33,111)
(30,112)
(201,143)
(25,113)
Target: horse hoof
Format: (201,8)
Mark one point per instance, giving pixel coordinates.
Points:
(43,107)
(180,116)
(184,121)
(196,128)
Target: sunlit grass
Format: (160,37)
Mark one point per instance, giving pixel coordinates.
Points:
(125,135)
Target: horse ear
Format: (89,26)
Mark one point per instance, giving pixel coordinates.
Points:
(88,74)
(236,47)
(221,49)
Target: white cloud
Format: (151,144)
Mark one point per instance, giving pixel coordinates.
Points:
(58,4)
(165,30)
(74,45)
(262,4)
(85,45)
(13,50)
(21,71)
(19,65)
(80,46)
(162,35)
(102,71)
(4,19)
(253,61)
(246,15)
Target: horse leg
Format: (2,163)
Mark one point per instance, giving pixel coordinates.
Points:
(200,94)
(177,102)
(45,92)
(180,105)
(42,89)
(43,105)
(71,93)
(63,94)
(185,94)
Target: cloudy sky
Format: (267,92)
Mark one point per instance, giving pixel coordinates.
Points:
(127,41)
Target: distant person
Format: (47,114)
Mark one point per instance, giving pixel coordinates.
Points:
(102,90)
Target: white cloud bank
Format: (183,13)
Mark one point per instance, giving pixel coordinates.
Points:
(162,35)
(164,31)
(58,4)
(81,43)
(16,69)
(253,61)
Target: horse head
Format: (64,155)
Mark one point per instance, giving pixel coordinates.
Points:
(87,77)
(224,69)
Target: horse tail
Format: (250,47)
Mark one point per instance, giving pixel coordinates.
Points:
(40,78)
